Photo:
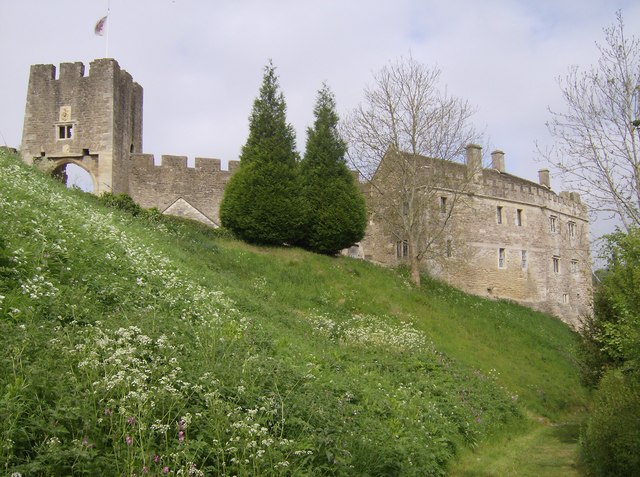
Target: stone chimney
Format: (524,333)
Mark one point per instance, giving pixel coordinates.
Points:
(474,161)
(575,196)
(497,160)
(544,178)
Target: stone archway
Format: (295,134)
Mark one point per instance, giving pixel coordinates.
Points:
(86,165)
(73,175)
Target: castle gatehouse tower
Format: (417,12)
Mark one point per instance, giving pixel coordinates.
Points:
(93,121)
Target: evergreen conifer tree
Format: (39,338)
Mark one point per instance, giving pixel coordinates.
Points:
(335,210)
(261,203)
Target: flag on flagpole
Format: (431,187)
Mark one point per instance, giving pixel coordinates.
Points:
(99,28)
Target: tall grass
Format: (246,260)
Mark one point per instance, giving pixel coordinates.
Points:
(144,345)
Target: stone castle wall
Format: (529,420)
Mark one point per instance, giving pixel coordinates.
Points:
(172,180)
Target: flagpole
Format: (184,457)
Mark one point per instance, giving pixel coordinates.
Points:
(106,53)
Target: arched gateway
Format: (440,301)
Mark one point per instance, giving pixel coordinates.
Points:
(57,167)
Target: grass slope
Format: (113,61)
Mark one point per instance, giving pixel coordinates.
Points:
(152,346)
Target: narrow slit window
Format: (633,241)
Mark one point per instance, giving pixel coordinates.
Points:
(443,205)
(449,249)
(499,214)
(502,257)
(402,249)
(552,223)
(519,217)
(571,228)
(524,263)
(556,264)
(574,266)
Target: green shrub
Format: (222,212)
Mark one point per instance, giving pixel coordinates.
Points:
(593,360)
(121,201)
(611,439)
(611,337)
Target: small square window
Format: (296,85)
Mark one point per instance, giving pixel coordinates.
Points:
(65,131)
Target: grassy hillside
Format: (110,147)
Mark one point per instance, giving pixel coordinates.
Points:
(152,346)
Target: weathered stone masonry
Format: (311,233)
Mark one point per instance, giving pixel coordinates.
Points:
(94,121)
(536,253)
(176,189)
(509,238)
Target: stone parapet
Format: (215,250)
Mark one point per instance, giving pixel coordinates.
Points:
(161,185)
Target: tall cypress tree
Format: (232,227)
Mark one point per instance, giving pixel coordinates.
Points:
(335,210)
(261,203)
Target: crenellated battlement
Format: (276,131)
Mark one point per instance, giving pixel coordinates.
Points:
(177,163)
(71,70)
(103,68)
(515,189)
(495,183)
(199,188)
(43,72)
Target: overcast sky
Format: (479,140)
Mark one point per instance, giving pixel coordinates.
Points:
(201,62)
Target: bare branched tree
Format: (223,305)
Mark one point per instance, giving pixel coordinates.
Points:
(597,137)
(402,140)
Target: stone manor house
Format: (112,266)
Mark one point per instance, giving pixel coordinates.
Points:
(513,239)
